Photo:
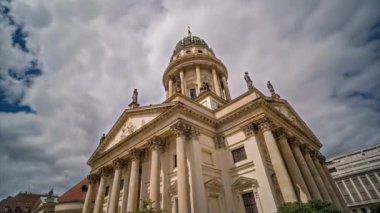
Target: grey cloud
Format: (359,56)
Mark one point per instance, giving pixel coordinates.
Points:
(94,53)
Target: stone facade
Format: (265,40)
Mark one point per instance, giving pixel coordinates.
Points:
(357,176)
(201,151)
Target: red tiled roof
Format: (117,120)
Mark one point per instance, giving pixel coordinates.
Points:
(75,194)
(21,200)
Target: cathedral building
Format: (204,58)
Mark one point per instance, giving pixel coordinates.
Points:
(202,151)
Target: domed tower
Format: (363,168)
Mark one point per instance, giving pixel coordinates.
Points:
(194,69)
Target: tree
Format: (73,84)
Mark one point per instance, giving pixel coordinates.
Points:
(147,207)
(315,206)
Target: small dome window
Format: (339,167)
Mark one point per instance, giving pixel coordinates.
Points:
(187,52)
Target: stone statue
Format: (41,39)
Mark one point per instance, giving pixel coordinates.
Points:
(50,193)
(205,87)
(134,102)
(271,90)
(102,138)
(248,80)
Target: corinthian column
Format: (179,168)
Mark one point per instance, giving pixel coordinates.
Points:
(321,186)
(294,171)
(156,144)
(104,174)
(134,179)
(282,174)
(170,93)
(118,165)
(181,76)
(308,177)
(92,179)
(182,132)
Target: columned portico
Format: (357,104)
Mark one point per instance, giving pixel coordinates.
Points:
(92,180)
(317,177)
(135,154)
(156,144)
(118,165)
(104,173)
(279,167)
(294,171)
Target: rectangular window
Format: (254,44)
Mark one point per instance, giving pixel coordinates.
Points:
(344,192)
(249,202)
(352,190)
(239,154)
(175,161)
(193,93)
(360,188)
(369,187)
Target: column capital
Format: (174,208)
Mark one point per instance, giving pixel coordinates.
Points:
(156,143)
(105,171)
(250,129)
(265,124)
(119,163)
(280,133)
(135,153)
(180,128)
(314,154)
(219,142)
(305,149)
(322,159)
(93,178)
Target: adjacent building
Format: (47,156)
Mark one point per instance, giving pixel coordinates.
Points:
(201,150)
(357,175)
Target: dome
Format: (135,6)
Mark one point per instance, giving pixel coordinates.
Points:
(190,41)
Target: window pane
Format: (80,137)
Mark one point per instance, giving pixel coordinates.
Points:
(239,154)
(249,202)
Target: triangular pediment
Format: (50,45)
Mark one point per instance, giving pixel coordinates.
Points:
(243,182)
(131,121)
(291,115)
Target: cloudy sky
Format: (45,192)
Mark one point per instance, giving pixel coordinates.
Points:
(68,68)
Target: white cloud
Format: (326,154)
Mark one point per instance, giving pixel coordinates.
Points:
(93,53)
